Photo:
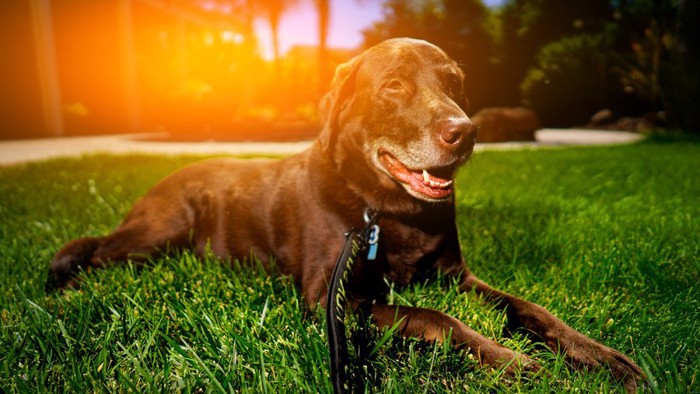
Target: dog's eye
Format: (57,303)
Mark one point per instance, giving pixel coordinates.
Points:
(394,85)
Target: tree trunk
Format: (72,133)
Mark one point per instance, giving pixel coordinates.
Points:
(323,8)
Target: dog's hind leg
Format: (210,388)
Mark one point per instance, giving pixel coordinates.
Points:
(150,229)
(134,241)
(72,257)
(432,325)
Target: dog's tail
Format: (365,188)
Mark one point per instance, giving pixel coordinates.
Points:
(69,260)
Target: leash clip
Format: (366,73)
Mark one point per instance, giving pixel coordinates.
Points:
(370,215)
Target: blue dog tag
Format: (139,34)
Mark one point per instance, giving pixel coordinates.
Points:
(373,243)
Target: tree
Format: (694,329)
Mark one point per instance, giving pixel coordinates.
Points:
(569,81)
(272,10)
(529,25)
(660,59)
(323,11)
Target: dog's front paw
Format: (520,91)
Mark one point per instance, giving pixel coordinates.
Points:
(583,352)
(512,362)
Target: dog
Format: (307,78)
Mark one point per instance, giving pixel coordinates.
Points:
(395,132)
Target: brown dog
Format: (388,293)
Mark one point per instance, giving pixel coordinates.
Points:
(395,133)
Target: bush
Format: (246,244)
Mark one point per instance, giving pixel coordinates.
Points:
(569,82)
(663,73)
(680,80)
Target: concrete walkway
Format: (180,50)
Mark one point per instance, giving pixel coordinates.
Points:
(19,151)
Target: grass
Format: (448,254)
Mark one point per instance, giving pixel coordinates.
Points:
(606,238)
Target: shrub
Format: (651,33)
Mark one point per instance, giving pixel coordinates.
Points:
(569,82)
(663,73)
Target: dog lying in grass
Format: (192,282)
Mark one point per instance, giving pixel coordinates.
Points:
(395,132)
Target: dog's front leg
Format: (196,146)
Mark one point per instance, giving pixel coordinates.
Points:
(580,350)
(432,325)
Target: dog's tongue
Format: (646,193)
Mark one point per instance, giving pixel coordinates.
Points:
(421,181)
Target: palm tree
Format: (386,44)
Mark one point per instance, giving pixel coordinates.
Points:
(323,10)
(272,11)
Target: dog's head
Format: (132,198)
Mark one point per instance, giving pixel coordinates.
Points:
(395,117)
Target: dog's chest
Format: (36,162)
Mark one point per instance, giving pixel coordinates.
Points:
(410,252)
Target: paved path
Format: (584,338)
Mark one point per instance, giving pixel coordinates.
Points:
(19,151)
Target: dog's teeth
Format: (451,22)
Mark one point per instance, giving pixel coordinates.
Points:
(429,182)
(439,184)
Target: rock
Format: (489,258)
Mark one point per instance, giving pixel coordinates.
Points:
(631,124)
(502,124)
(602,117)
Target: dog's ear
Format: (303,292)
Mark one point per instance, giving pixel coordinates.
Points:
(337,99)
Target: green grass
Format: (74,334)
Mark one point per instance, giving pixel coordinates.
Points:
(606,238)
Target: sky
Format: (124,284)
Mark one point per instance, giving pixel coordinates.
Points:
(348,18)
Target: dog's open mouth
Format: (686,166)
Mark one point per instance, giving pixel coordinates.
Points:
(427,183)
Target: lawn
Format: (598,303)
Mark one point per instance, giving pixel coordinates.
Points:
(607,238)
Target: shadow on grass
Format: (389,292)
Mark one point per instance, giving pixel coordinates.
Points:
(501,239)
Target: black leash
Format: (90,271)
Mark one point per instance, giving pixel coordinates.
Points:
(358,243)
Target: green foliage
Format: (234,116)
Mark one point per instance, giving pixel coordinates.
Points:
(661,70)
(529,25)
(568,83)
(606,238)
(680,80)
(573,58)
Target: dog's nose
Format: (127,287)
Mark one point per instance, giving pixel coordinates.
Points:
(456,130)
